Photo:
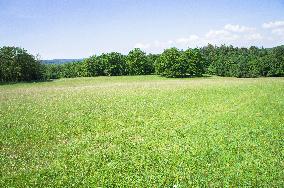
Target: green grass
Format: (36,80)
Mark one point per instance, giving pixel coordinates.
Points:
(143,131)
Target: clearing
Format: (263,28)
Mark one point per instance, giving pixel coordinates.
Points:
(143,131)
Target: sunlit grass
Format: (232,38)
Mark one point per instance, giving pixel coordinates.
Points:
(143,131)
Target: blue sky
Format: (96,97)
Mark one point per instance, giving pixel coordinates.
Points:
(80,28)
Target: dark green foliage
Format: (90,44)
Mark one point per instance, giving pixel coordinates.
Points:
(276,63)
(17,65)
(115,64)
(175,63)
(68,70)
(111,64)
(171,64)
(75,69)
(53,71)
(95,66)
(151,58)
(222,61)
(195,62)
(138,63)
(244,62)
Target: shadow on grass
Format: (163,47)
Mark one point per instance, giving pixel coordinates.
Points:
(51,80)
(26,82)
(190,76)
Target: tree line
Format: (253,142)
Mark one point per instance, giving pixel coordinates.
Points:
(18,65)
(244,62)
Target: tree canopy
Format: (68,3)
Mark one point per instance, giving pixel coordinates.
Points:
(18,65)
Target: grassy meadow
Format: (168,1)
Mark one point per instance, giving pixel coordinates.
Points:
(143,131)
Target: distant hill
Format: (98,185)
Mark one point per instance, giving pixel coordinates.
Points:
(60,61)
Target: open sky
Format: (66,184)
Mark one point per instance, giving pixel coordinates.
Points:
(80,28)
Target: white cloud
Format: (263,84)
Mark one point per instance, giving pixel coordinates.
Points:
(190,39)
(217,33)
(142,46)
(162,45)
(170,42)
(273,24)
(254,36)
(159,44)
(278,31)
(236,35)
(238,28)
(220,35)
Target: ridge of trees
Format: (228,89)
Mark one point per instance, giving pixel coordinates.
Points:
(18,65)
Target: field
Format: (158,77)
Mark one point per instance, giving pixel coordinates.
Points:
(143,131)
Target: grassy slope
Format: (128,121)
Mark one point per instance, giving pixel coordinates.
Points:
(143,131)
